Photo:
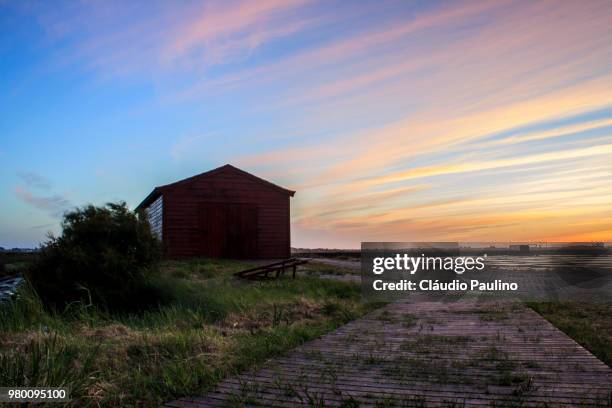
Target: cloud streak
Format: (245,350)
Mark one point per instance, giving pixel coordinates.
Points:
(119,40)
(55,205)
(34,180)
(437,120)
(224,31)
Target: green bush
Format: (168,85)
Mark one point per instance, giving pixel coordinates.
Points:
(104,256)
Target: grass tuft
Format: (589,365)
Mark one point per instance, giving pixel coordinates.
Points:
(49,361)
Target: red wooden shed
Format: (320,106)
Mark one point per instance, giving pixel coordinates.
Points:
(223,213)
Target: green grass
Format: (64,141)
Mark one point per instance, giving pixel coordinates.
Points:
(208,326)
(319,268)
(589,324)
(46,361)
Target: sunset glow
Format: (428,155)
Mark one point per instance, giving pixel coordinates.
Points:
(393,120)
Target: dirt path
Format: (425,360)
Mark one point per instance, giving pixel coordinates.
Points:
(427,354)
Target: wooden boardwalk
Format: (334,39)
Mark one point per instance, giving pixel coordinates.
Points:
(427,354)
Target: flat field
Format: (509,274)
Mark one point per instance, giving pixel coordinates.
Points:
(209,325)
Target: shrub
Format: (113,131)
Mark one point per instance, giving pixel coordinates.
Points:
(103,256)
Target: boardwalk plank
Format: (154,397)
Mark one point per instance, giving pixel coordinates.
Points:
(427,354)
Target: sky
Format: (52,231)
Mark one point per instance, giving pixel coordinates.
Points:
(393,120)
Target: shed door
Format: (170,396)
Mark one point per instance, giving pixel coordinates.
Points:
(229,230)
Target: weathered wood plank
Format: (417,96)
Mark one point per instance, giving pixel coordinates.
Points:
(431,354)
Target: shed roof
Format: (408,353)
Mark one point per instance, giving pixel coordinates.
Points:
(159,190)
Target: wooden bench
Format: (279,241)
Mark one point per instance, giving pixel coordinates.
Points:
(277,269)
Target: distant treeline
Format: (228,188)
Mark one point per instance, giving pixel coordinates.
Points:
(569,250)
(12,263)
(327,253)
(9,257)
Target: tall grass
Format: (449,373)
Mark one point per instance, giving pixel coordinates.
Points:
(24,311)
(49,361)
(203,326)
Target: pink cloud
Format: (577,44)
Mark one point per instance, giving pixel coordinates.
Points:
(118,39)
(223,30)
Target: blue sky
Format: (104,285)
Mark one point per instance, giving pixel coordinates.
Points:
(393,120)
